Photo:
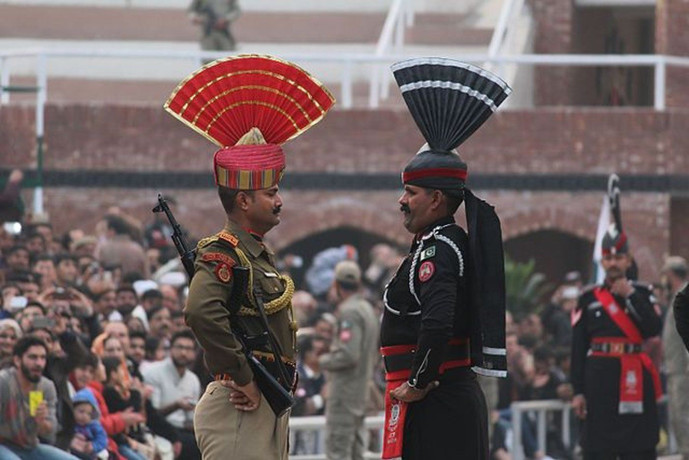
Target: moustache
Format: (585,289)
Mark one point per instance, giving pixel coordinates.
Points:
(277,210)
(405,208)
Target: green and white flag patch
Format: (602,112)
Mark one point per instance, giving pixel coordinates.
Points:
(427,253)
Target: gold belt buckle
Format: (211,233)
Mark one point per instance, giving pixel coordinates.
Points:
(617,348)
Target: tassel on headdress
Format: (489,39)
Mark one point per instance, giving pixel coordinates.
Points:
(249,105)
(449,100)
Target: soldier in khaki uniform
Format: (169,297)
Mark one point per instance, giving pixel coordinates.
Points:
(676,359)
(350,366)
(215,18)
(233,419)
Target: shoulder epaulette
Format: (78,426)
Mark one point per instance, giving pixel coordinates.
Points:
(206,241)
(229,237)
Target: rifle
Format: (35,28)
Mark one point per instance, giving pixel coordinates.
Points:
(279,398)
(185,254)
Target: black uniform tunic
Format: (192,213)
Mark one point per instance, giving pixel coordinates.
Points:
(426,303)
(598,378)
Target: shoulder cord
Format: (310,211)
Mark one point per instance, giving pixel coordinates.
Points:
(274,306)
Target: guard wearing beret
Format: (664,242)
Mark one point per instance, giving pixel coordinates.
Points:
(249,105)
(445,307)
(615,384)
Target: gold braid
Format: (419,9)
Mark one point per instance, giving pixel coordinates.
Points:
(272,307)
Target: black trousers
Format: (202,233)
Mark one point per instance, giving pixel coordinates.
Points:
(642,455)
(451,422)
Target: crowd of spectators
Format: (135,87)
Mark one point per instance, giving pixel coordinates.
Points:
(92,330)
(91,323)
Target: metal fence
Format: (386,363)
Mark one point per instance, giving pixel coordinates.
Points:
(539,408)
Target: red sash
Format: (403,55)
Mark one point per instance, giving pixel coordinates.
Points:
(631,364)
(395,410)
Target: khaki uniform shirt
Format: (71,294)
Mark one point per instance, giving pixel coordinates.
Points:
(351,361)
(206,311)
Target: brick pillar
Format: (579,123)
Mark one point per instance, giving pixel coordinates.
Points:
(672,38)
(554,27)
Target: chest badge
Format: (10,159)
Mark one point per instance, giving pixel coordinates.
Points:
(426,270)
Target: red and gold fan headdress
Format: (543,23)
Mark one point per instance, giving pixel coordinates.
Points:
(249,105)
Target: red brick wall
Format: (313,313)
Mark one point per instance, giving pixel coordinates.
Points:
(679,227)
(587,141)
(306,213)
(556,140)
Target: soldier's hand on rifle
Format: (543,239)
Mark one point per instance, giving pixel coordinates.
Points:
(245,398)
(579,406)
(407,393)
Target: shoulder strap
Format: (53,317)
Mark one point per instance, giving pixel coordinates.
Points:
(618,315)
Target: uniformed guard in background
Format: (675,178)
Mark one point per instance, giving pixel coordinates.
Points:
(248,105)
(680,308)
(215,17)
(615,385)
(350,366)
(444,316)
(676,357)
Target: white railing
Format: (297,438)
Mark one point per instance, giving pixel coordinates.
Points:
(348,62)
(305,424)
(393,29)
(541,409)
(500,33)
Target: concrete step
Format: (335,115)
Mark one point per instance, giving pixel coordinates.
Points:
(455,6)
(84,23)
(109,23)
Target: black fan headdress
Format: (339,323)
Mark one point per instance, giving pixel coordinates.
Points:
(449,100)
(615,240)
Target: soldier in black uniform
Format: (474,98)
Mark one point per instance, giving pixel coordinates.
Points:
(616,385)
(434,335)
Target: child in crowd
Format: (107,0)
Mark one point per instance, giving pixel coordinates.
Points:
(136,444)
(90,439)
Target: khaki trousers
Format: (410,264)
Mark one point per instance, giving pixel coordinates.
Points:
(223,432)
(345,436)
(678,403)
